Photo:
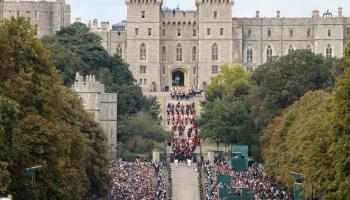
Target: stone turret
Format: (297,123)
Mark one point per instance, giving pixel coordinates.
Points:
(340,12)
(315,14)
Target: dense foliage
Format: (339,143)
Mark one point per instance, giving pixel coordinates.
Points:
(299,139)
(244,104)
(141,133)
(43,123)
(312,137)
(225,118)
(75,49)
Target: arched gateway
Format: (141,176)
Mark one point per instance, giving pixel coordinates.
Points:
(179,77)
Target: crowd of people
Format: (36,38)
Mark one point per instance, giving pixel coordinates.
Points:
(181,93)
(211,190)
(161,191)
(182,120)
(133,181)
(256,180)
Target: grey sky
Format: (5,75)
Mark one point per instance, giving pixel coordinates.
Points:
(115,10)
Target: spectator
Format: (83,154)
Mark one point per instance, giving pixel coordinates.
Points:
(133,181)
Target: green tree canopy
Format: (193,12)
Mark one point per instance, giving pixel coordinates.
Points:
(141,133)
(75,49)
(44,123)
(228,82)
(226,117)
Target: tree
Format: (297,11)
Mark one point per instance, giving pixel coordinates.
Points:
(215,124)
(297,141)
(44,123)
(75,49)
(277,84)
(226,82)
(340,148)
(141,133)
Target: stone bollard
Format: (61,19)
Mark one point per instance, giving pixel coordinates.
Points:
(156,156)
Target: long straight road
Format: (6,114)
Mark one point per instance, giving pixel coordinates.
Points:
(185,183)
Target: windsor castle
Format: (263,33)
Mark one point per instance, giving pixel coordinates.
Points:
(167,47)
(163,45)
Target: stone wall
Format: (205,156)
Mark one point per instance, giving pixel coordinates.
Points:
(102,105)
(48,16)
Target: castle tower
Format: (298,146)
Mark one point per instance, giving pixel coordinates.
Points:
(215,37)
(102,105)
(143,41)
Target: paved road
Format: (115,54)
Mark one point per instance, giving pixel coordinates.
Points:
(185,183)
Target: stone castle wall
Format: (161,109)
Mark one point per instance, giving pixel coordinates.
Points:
(48,16)
(102,105)
(233,36)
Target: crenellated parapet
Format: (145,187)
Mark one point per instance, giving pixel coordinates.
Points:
(143,2)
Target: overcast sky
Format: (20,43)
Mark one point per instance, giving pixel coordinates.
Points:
(115,10)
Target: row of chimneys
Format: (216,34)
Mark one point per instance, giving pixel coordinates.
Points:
(315,13)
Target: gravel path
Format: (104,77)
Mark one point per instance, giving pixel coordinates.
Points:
(185,182)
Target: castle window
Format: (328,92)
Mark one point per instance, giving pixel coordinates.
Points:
(308,47)
(249,54)
(149,31)
(143,69)
(119,33)
(163,54)
(194,54)
(269,33)
(143,14)
(136,31)
(214,52)
(215,14)
(36,16)
(221,31)
(214,69)
(249,33)
(308,32)
(269,53)
(143,52)
(290,49)
(329,51)
(163,32)
(145,81)
(140,81)
(163,70)
(178,32)
(119,50)
(194,32)
(208,31)
(329,33)
(178,53)
(291,33)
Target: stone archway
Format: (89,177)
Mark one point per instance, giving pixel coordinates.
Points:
(179,77)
